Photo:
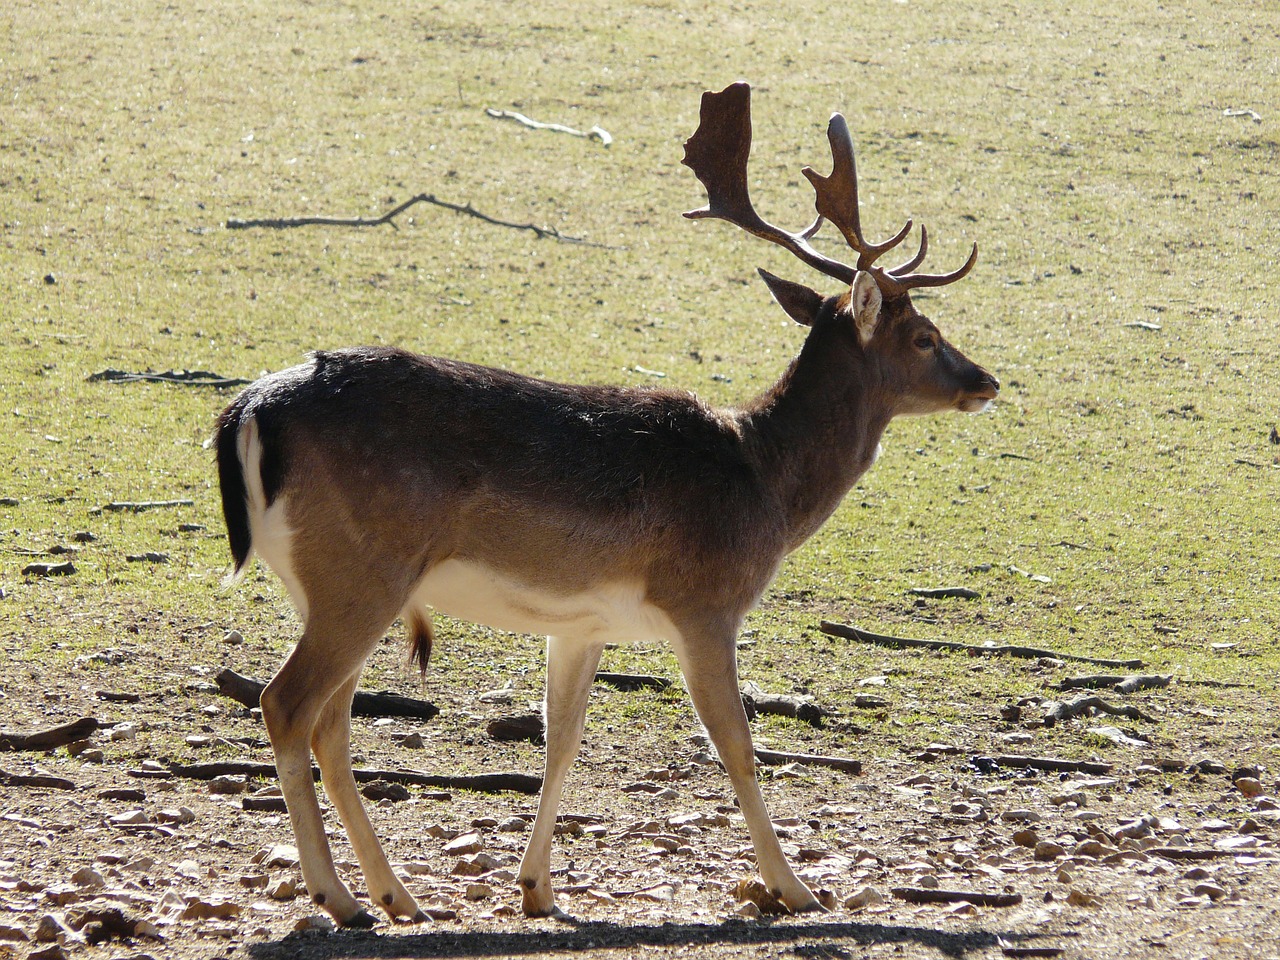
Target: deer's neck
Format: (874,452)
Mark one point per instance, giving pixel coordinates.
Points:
(817,430)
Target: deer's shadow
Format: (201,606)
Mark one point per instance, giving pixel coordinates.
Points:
(806,938)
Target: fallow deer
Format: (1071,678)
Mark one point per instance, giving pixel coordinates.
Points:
(377,483)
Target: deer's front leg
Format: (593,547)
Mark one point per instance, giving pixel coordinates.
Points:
(571,668)
(710,668)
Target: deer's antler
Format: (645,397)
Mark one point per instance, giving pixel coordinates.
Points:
(718,153)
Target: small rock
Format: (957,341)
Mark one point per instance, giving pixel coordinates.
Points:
(1249,786)
(13,934)
(747,911)
(87,877)
(513,825)
(278,855)
(52,952)
(211,910)
(866,897)
(466,844)
(1026,838)
(233,638)
(385,790)
(314,924)
(227,785)
(129,819)
(286,888)
(49,929)
(479,891)
(123,731)
(1210,890)
(178,815)
(412,741)
(1048,850)
(1078,898)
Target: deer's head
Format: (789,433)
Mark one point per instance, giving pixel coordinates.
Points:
(900,345)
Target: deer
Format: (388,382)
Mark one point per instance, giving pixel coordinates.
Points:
(379,484)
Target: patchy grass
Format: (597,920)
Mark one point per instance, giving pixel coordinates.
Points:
(1124,295)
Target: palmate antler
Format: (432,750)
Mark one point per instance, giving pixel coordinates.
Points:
(718,152)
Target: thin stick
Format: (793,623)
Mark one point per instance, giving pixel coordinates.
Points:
(1033,653)
(483,782)
(926,895)
(776,757)
(35,780)
(287,223)
(1083,706)
(595,133)
(137,506)
(183,378)
(1121,684)
(1053,764)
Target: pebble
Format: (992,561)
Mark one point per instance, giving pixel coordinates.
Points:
(1048,850)
(87,877)
(466,844)
(866,897)
(1250,786)
(1210,890)
(129,818)
(479,891)
(227,785)
(233,638)
(1026,838)
(314,924)
(286,888)
(513,825)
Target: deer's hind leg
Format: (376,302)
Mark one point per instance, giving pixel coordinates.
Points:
(331,743)
(308,701)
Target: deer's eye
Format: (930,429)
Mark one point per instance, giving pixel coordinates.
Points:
(924,342)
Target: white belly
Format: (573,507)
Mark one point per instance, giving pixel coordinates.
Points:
(606,613)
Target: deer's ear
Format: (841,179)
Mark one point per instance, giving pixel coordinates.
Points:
(864,305)
(801,303)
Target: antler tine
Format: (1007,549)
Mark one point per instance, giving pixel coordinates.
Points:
(935,279)
(717,153)
(837,196)
(918,259)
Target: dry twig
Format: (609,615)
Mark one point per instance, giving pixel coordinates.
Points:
(248,691)
(595,133)
(483,782)
(1084,706)
(855,633)
(286,223)
(1121,684)
(927,895)
(51,738)
(777,757)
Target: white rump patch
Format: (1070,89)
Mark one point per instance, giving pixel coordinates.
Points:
(268,527)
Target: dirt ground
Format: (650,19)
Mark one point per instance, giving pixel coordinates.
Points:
(652,852)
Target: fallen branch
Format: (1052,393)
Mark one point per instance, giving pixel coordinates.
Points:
(34,780)
(945,593)
(595,133)
(248,691)
(49,739)
(49,569)
(482,782)
(1188,853)
(783,705)
(185,378)
(1033,653)
(286,223)
(138,506)
(926,895)
(1085,706)
(1121,684)
(1053,764)
(778,757)
(633,681)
